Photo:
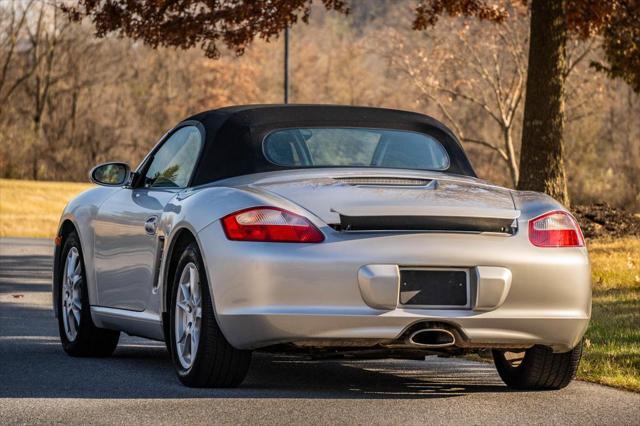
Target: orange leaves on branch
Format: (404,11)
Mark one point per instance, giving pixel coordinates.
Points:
(586,18)
(428,11)
(621,43)
(190,23)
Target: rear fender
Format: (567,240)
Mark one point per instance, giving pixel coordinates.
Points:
(533,204)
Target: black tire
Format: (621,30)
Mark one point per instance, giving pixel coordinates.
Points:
(89,341)
(540,368)
(216,363)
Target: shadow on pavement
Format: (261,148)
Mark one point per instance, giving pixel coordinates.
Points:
(20,274)
(35,366)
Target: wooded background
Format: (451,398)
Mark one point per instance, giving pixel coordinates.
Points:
(69,100)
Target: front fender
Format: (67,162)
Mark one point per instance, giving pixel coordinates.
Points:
(78,215)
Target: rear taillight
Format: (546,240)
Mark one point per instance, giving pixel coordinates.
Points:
(270,224)
(555,229)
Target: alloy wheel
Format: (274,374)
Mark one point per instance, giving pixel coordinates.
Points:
(188,315)
(72,294)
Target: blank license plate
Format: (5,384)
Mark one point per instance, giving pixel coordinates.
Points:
(434,288)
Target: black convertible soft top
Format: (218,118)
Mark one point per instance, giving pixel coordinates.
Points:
(234,135)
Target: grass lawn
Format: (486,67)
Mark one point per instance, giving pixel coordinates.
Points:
(32,209)
(612,355)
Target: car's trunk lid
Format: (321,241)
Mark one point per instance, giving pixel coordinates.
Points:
(388,203)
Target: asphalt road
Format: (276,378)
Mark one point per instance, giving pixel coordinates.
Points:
(40,384)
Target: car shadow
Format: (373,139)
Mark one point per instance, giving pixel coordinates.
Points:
(35,366)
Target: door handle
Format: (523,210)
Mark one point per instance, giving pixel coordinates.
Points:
(151,225)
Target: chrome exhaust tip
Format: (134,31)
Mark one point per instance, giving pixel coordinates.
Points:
(432,338)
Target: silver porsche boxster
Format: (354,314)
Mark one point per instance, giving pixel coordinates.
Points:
(322,231)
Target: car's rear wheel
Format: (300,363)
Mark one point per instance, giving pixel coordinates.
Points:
(78,334)
(201,354)
(537,367)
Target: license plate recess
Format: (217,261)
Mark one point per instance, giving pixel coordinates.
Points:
(435,288)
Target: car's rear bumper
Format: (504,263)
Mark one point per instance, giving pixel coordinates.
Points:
(269,293)
(346,329)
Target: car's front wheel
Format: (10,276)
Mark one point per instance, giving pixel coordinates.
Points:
(201,354)
(79,336)
(537,367)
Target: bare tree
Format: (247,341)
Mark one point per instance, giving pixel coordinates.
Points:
(487,72)
(43,38)
(13,73)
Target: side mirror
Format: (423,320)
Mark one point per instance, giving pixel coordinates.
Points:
(110,174)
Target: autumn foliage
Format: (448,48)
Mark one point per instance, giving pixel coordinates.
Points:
(69,100)
(204,23)
(616,21)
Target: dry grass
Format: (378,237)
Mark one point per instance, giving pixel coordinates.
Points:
(32,209)
(612,356)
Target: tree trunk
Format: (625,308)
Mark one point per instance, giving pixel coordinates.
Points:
(541,155)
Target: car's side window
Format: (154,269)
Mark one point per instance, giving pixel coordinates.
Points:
(174,161)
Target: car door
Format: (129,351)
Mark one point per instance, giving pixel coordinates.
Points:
(126,240)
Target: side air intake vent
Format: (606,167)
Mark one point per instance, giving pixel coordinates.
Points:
(384,181)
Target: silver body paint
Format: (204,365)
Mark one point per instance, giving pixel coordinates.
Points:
(343,290)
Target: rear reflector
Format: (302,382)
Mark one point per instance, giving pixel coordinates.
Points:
(555,229)
(270,224)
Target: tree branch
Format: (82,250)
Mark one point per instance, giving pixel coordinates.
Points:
(579,58)
(489,145)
